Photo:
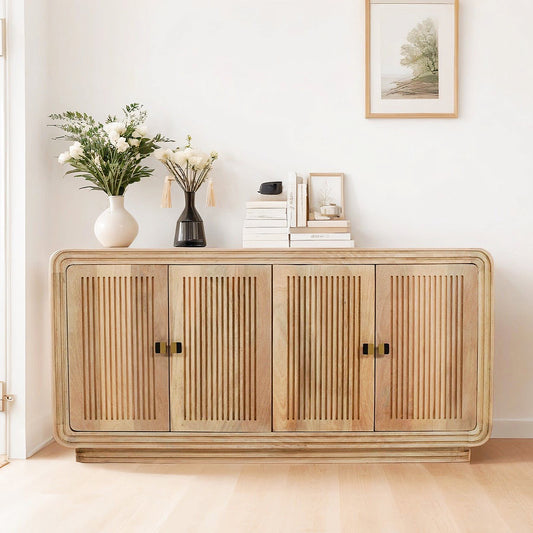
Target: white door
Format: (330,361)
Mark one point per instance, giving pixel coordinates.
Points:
(3,259)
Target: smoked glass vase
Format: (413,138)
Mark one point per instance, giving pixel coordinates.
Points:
(190,226)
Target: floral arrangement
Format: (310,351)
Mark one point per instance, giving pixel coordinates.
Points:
(108,155)
(189,168)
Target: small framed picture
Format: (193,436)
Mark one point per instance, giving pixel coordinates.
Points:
(326,196)
(411,58)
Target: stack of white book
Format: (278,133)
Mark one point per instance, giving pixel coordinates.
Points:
(266,224)
(322,234)
(304,233)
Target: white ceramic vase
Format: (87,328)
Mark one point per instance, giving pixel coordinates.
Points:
(115,227)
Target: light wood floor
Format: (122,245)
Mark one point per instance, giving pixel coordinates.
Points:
(51,492)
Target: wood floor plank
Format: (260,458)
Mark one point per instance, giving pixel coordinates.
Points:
(508,483)
(312,499)
(52,493)
(418,500)
(205,499)
(260,514)
(467,501)
(362,489)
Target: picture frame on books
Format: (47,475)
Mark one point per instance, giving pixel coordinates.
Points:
(326,196)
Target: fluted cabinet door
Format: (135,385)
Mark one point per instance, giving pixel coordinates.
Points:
(221,315)
(115,316)
(322,317)
(428,315)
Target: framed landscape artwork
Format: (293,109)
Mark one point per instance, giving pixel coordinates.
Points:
(411,58)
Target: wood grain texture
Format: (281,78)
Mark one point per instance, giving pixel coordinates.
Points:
(263,443)
(115,315)
(334,455)
(221,314)
(428,314)
(322,317)
(492,495)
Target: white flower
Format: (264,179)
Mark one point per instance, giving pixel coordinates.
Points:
(179,158)
(198,161)
(113,136)
(97,161)
(119,127)
(140,131)
(134,142)
(64,157)
(163,154)
(75,150)
(122,144)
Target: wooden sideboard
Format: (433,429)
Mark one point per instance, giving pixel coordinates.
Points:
(255,355)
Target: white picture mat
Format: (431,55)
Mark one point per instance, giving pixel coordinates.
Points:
(405,17)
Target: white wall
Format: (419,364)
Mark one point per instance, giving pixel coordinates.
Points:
(276,85)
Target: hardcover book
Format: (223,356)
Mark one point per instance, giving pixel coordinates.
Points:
(322,244)
(267,204)
(259,231)
(321,236)
(246,236)
(338,223)
(252,214)
(265,223)
(265,244)
(301,209)
(293,180)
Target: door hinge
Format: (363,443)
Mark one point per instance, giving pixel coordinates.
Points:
(4,397)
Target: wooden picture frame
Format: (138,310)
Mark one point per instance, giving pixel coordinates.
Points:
(401,83)
(337,195)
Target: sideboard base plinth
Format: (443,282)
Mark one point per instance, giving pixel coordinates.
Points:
(430,455)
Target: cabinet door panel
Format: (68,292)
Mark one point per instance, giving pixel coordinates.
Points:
(428,314)
(222,316)
(322,317)
(115,316)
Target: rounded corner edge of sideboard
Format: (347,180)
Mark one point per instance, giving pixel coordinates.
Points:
(485,257)
(60,260)
(481,434)
(64,437)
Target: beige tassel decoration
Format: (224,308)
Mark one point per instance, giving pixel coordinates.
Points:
(210,200)
(166,198)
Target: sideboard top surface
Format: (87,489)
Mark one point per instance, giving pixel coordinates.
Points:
(61,259)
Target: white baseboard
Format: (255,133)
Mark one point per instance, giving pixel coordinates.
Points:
(505,428)
(39,447)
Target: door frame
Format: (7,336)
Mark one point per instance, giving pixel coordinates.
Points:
(4,239)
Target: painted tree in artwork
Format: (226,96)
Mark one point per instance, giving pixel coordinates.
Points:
(421,54)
